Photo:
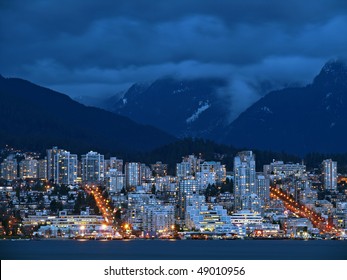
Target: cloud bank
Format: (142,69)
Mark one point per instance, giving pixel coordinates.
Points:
(85,47)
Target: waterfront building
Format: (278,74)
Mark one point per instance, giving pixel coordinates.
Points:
(244,177)
(246,218)
(341,215)
(136,208)
(296,227)
(213,218)
(93,167)
(252,202)
(68,225)
(158,219)
(329,172)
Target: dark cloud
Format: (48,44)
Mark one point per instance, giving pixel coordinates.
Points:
(101,47)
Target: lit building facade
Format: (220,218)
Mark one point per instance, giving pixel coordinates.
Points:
(28,168)
(132,174)
(115,181)
(329,172)
(244,177)
(42,169)
(51,153)
(281,169)
(65,168)
(93,167)
(186,189)
(9,168)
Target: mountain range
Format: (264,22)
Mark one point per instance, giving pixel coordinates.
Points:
(181,107)
(36,118)
(298,120)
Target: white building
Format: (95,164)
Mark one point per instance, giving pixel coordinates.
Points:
(93,167)
(158,219)
(186,189)
(215,167)
(28,168)
(116,163)
(246,218)
(65,168)
(281,169)
(329,172)
(205,178)
(263,189)
(51,153)
(189,166)
(244,177)
(132,174)
(115,181)
(9,168)
(213,218)
(42,169)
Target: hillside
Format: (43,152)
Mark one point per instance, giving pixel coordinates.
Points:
(35,118)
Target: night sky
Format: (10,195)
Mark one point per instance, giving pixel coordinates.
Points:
(87,47)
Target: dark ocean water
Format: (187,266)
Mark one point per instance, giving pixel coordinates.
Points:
(174,250)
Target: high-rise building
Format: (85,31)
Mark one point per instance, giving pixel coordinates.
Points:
(114,163)
(263,189)
(115,181)
(50,161)
(93,167)
(132,174)
(188,167)
(146,174)
(9,168)
(216,167)
(187,188)
(65,168)
(183,170)
(159,169)
(28,168)
(42,169)
(244,177)
(329,172)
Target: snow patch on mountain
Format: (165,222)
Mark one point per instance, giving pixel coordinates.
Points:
(266,109)
(201,109)
(180,90)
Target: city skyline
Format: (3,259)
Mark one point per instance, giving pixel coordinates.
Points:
(184,201)
(165,130)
